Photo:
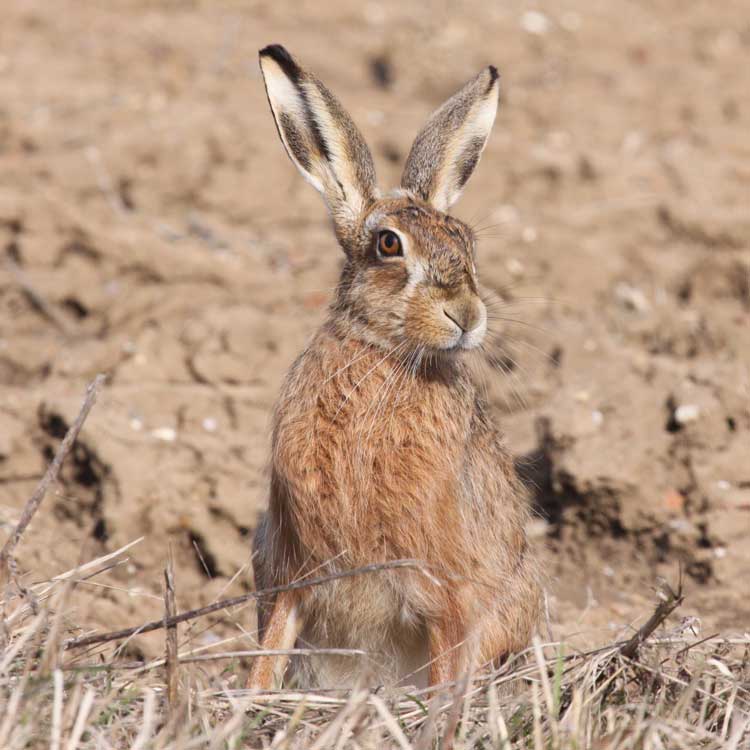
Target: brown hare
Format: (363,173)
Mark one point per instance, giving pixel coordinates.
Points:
(382,446)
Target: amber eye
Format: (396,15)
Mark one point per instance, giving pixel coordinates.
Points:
(389,244)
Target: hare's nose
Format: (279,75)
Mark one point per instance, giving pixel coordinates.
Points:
(453,316)
(464,314)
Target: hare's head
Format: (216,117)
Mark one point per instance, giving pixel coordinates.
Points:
(409,280)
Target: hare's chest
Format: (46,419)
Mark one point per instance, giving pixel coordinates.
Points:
(408,442)
(373,492)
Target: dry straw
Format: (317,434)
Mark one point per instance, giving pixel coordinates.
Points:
(674,693)
(671,691)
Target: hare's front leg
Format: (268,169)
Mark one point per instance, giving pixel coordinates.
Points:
(280,632)
(446,640)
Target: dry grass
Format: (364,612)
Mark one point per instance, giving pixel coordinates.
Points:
(677,692)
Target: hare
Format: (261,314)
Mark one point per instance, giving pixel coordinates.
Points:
(382,446)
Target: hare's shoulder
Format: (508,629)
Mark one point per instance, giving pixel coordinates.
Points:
(491,481)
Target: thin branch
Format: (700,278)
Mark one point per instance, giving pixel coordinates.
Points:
(669,601)
(170,656)
(244,598)
(50,476)
(255,653)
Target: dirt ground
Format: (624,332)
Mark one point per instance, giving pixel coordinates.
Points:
(152,228)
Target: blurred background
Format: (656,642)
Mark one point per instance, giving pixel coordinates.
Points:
(152,228)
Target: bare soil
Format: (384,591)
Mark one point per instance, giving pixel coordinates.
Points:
(152,228)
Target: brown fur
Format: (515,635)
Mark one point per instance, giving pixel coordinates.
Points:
(382,449)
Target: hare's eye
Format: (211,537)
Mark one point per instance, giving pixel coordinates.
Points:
(389,244)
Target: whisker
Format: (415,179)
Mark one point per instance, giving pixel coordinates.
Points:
(402,370)
(515,300)
(489,294)
(374,407)
(501,339)
(482,231)
(520,323)
(365,376)
(515,388)
(477,218)
(348,365)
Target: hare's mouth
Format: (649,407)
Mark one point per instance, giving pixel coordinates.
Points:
(464,342)
(472,339)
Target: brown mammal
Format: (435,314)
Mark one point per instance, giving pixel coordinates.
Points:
(382,445)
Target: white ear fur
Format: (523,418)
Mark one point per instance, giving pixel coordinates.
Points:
(448,148)
(318,135)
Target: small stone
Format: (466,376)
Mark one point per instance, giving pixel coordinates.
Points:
(722,484)
(632,297)
(210,424)
(136,423)
(529,235)
(534,22)
(514,266)
(597,417)
(720,552)
(167,434)
(687,413)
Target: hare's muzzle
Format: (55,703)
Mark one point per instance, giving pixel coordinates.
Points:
(468,316)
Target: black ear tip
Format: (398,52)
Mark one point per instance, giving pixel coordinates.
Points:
(275,51)
(494,75)
(285,61)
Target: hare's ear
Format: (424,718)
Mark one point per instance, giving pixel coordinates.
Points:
(448,148)
(318,135)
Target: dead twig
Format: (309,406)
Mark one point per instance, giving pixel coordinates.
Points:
(226,603)
(669,601)
(50,476)
(254,654)
(171,659)
(25,592)
(141,668)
